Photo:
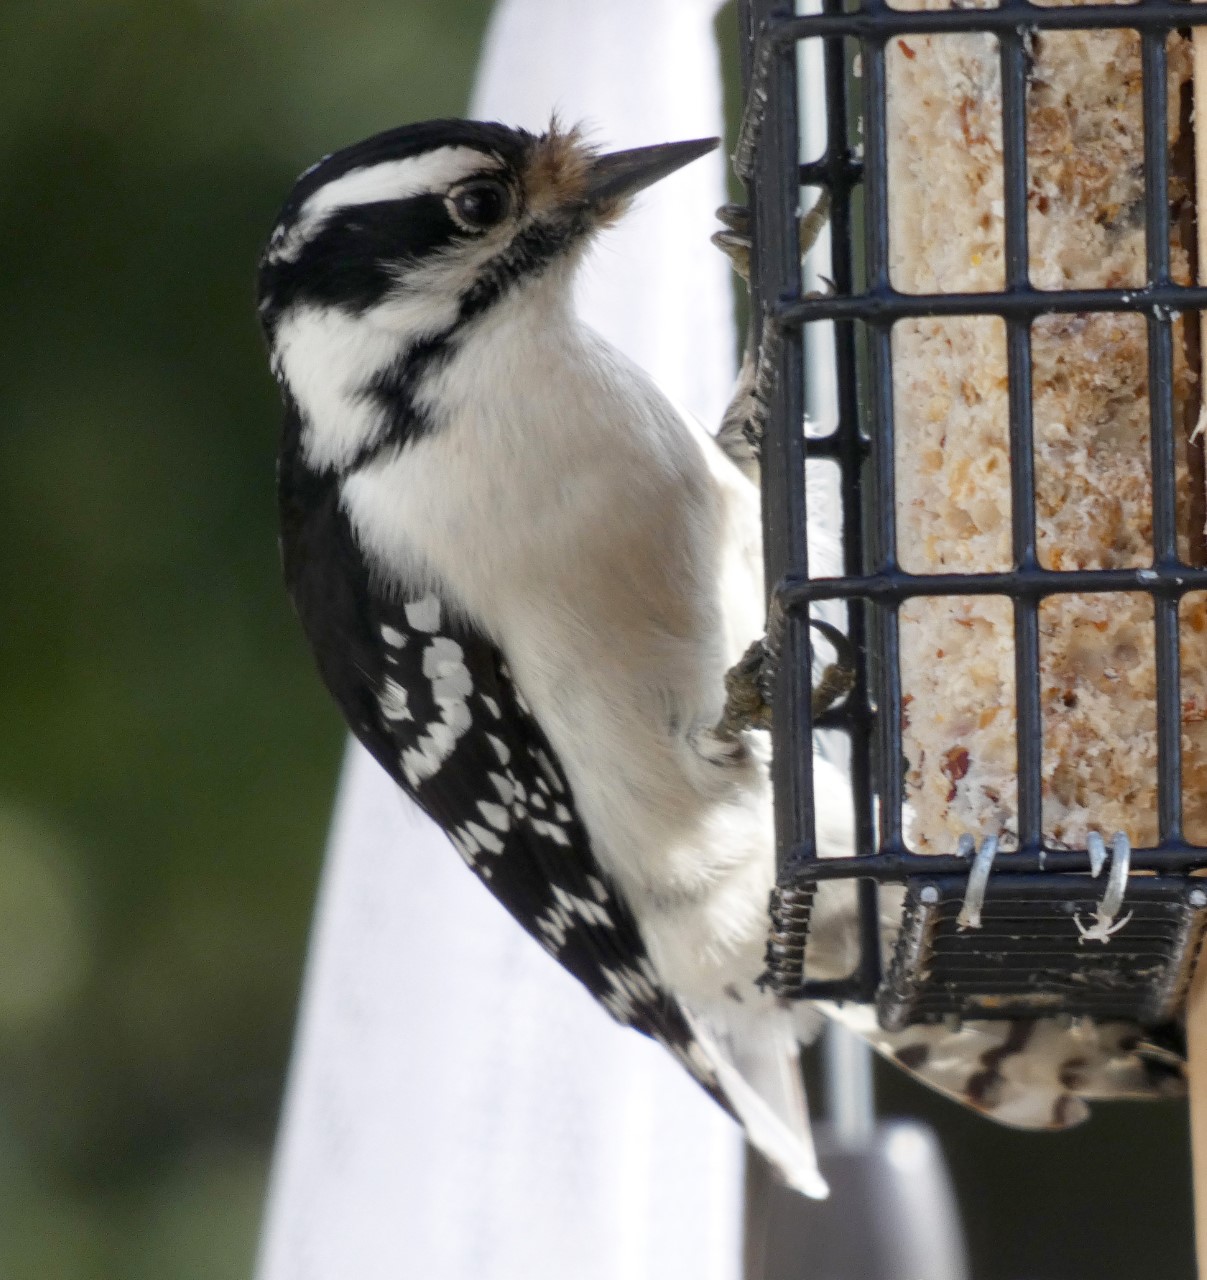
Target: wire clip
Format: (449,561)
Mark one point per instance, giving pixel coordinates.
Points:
(1105,925)
(978,880)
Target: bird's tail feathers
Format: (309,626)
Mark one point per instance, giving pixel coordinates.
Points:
(760,1076)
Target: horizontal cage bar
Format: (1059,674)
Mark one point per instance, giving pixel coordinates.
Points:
(880,22)
(795,594)
(885,305)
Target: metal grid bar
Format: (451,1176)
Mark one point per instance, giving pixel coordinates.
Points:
(1161,429)
(876,20)
(1021,303)
(842,174)
(776,245)
(889,764)
(1036,877)
(1028,718)
(1174,858)
(1166,582)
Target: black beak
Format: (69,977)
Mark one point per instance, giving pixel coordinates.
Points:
(624,173)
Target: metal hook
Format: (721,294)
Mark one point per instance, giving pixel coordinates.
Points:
(1096,848)
(1104,925)
(978,881)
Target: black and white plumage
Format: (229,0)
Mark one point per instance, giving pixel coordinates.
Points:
(524,574)
(433,701)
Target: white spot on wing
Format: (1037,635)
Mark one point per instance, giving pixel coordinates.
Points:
(591,912)
(424,615)
(451,684)
(393,701)
(554,832)
(495,814)
(444,666)
(487,839)
(629,990)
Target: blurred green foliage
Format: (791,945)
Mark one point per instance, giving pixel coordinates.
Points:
(168,758)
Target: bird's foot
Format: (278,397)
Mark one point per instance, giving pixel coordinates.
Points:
(745,421)
(838,677)
(749,684)
(813,223)
(734,241)
(744,424)
(747,696)
(741,429)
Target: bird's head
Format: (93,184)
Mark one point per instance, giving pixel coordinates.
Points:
(424,228)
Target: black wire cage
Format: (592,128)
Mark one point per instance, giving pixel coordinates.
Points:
(1028,957)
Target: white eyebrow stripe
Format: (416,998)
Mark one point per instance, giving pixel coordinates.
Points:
(397,180)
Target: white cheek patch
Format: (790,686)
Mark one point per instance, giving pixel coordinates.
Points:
(326,357)
(431,172)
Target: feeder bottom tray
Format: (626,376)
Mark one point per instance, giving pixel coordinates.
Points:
(1036,953)
(1040,950)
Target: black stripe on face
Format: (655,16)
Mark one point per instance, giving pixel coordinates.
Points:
(357,256)
(512,146)
(528,254)
(394,388)
(365,276)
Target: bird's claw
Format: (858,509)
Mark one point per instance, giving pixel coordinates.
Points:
(745,420)
(813,223)
(734,241)
(747,700)
(750,683)
(837,678)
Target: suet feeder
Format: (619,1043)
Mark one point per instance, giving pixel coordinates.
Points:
(1006,322)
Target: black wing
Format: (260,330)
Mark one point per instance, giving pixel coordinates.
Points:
(436,706)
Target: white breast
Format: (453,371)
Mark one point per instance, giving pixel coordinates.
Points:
(613,553)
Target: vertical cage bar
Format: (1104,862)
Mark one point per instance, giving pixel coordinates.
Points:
(885,636)
(775,206)
(1028,710)
(850,454)
(1161,429)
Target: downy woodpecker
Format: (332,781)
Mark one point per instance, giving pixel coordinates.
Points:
(524,574)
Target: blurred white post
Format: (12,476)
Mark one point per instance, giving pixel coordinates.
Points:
(457,1106)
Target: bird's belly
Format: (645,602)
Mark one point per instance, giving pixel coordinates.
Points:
(618,613)
(686,837)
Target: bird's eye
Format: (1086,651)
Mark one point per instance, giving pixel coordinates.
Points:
(479,204)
